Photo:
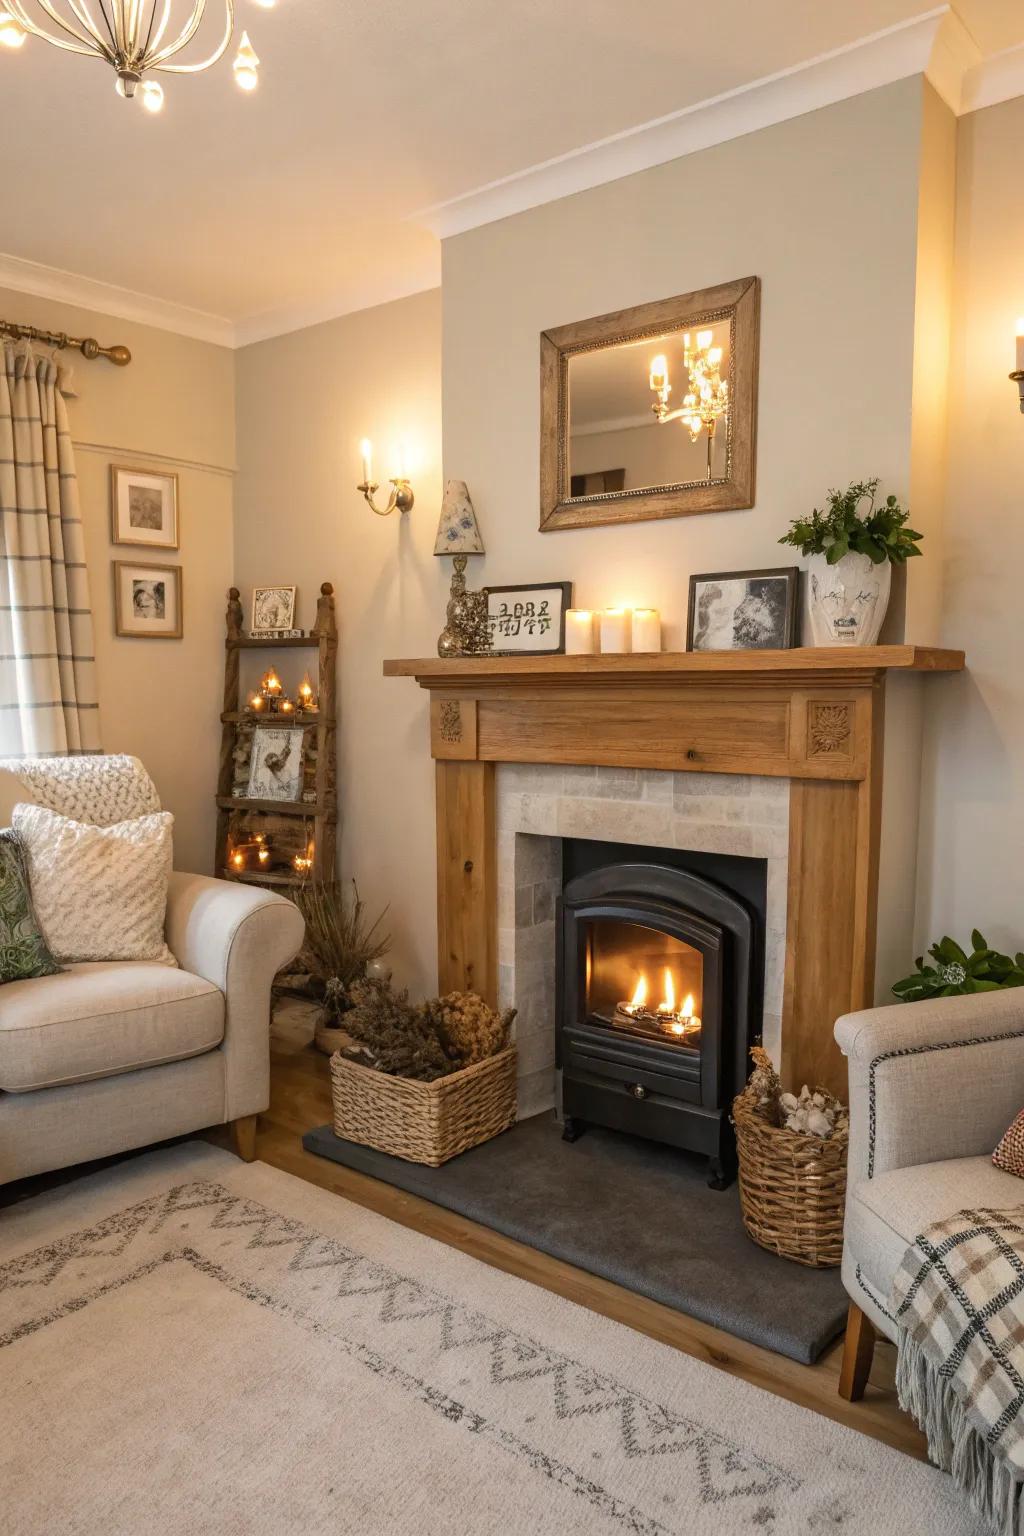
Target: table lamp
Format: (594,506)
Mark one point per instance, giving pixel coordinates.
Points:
(458,534)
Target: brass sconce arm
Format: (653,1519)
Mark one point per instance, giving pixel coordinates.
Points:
(1018,378)
(401,497)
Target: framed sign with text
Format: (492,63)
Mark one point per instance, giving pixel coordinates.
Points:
(528,620)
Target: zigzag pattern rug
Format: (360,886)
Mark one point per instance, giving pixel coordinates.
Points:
(375,1359)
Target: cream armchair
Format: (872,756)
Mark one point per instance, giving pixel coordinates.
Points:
(933,1086)
(109,1056)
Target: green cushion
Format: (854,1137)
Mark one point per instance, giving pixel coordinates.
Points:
(23,950)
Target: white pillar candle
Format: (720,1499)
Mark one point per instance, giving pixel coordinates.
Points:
(646,629)
(579,632)
(1020,344)
(366,453)
(614,631)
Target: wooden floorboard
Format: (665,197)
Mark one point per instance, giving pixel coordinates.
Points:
(300,1099)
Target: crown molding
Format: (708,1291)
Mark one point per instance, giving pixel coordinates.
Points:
(929,44)
(106,299)
(355,297)
(995,79)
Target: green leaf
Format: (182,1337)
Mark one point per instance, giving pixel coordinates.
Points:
(978,939)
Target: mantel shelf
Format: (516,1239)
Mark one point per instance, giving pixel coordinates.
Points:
(819,663)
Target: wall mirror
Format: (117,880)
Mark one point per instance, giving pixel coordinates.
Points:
(651,411)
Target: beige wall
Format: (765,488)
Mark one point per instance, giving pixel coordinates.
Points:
(824,210)
(972,871)
(172,407)
(304,401)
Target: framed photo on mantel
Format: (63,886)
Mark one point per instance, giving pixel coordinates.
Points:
(528,620)
(743,610)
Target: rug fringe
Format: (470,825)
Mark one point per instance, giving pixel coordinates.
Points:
(953,1442)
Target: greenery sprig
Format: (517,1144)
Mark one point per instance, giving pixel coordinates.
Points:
(843,528)
(956,973)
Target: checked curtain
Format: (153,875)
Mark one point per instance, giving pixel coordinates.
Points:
(47,662)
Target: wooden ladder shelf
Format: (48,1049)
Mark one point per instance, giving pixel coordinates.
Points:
(288,824)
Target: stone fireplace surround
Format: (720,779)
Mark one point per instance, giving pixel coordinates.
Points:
(537,805)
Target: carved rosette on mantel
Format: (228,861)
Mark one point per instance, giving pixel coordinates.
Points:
(812,716)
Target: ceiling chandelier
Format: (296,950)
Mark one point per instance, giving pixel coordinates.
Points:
(134,37)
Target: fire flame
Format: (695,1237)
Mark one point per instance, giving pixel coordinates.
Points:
(687,1009)
(679,1017)
(668,1002)
(640,995)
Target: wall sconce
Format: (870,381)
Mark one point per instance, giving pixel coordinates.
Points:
(401,491)
(1018,373)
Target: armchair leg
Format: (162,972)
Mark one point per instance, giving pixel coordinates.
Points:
(243,1137)
(858,1349)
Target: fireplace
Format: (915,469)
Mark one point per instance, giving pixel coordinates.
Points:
(658,995)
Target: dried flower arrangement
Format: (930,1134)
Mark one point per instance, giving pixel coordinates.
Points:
(806,1113)
(426,1040)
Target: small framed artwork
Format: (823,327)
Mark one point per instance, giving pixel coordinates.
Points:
(273,610)
(528,620)
(147,600)
(276,765)
(143,507)
(743,610)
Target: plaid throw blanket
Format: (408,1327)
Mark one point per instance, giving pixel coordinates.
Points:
(958,1300)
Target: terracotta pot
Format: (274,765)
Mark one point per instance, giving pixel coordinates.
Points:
(846,602)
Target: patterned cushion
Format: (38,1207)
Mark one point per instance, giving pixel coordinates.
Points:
(100,893)
(23,951)
(102,790)
(1009,1155)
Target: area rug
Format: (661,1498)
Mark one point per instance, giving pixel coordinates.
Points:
(631,1211)
(191,1345)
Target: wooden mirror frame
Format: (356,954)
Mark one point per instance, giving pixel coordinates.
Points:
(738,302)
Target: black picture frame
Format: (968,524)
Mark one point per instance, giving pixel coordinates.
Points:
(784,634)
(522,647)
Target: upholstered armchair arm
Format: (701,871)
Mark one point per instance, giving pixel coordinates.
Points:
(932,1080)
(237,937)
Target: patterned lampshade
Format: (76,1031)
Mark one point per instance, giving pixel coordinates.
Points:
(458,532)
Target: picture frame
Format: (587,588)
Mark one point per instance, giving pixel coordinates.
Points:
(148,600)
(276,764)
(143,506)
(743,610)
(273,610)
(528,619)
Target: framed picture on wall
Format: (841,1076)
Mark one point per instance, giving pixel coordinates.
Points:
(143,507)
(528,620)
(743,610)
(147,600)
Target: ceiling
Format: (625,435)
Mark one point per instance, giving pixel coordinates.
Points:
(300,200)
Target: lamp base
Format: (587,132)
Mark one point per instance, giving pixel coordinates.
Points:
(466,632)
(1018,378)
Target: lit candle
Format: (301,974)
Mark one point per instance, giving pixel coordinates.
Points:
(286,706)
(272,684)
(615,629)
(366,449)
(264,855)
(1020,344)
(646,633)
(256,702)
(238,859)
(306,693)
(579,632)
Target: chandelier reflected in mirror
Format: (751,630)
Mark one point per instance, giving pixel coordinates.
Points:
(137,38)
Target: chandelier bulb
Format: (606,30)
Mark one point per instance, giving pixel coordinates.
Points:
(152,95)
(246,64)
(12,34)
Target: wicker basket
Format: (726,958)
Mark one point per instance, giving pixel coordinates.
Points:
(792,1186)
(424,1122)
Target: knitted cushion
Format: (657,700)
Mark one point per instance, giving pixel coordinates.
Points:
(1009,1155)
(23,951)
(100,893)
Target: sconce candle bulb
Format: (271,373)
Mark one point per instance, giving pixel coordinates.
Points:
(401,498)
(1018,373)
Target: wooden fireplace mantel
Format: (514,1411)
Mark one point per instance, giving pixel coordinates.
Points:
(814,716)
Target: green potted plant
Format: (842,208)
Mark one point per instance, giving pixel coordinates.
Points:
(852,546)
(957,973)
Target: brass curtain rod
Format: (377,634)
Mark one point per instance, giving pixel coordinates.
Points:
(119,356)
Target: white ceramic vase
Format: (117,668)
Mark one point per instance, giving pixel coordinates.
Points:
(846,602)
